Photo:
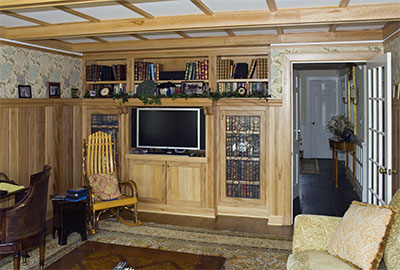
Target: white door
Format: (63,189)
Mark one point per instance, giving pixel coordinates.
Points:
(323,104)
(379,130)
(295,136)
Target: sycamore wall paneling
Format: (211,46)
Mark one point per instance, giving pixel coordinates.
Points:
(36,68)
(393,46)
(278,52)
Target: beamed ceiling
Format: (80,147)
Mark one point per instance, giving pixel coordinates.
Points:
(99,25)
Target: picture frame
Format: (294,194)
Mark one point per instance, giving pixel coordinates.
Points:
(190,88)
(54,90)
(74,92)
(24,91)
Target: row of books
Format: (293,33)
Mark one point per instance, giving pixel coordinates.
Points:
(243,146)
(197,70)
(243,170)
(243,191)
(228,69)
(106,73)
(243,123)
(147,71)
(261,68)
(251,87)
(72,195)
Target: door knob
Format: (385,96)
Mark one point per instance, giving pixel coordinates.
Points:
(382,170)
(393,171)
(313,123)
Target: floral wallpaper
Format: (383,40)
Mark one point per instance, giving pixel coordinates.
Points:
(37,68)
(394,48)
(277,53)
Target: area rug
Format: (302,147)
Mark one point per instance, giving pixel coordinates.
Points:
(309,166)
(241,250)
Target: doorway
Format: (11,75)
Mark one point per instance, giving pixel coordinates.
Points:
(322,92)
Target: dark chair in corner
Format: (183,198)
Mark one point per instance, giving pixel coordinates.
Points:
(24,225)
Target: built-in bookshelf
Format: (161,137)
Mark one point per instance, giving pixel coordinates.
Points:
(242,135)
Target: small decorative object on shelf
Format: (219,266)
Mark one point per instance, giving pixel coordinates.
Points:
(190,88)
(54,90)
(24,91)
(74,92)
(339,125)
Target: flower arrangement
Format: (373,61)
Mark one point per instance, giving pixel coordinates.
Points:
(339,125)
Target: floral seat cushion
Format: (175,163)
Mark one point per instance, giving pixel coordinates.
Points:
(104,186)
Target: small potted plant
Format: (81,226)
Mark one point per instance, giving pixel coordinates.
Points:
(340,126)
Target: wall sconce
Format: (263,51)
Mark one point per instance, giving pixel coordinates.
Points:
(355,99)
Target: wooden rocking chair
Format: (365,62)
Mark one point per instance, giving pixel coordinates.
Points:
(99,158)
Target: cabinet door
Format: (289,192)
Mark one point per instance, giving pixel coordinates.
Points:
(149,177)
(186,183)
(243,157)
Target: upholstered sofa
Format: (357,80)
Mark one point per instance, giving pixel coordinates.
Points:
(312,235)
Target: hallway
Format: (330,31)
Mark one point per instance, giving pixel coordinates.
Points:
(318,194)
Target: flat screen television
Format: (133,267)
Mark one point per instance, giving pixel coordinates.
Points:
(168,128)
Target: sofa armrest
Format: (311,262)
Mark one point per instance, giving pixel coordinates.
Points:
(313,232)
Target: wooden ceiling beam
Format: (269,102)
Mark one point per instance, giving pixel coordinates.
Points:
(77,13)
(230,32)
(332,27)
(279,30)
(134,8)
(390,28)
(98,39)
(344,3)
(3,32)
(309,16)
(206,10)
(52,43)
(183,34)
(22,17)
(214,42)
(272,5)
(140,37)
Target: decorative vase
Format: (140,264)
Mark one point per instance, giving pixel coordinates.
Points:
(346,137)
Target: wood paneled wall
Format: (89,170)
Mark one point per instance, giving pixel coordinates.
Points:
(38,132)
(396,143)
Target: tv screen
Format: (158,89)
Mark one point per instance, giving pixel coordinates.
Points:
(168,128)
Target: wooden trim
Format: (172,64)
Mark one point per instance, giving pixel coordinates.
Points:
(52,43)
(77,13)
(41,49)
(344,3)
(18,4)
(139,37)
(22,17)
(272,5)
(98,39)
(135,9)
(203,7)
(390,28)
(391,38)
(279,30)
(183,34)
(224,42)
(230,32)
(332,27)
(309,16)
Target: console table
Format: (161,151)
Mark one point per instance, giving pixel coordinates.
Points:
(337,145)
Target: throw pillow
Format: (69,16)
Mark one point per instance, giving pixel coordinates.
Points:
(360,237)
(104,186)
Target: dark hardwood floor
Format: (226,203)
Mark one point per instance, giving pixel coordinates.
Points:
(318,194)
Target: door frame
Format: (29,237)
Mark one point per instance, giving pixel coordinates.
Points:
(287,88)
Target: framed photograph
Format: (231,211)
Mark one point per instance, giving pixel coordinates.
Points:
(190,88)
(54,90)
(74,92)
(24,91)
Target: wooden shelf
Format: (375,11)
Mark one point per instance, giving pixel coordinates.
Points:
(174,81)
(105,82)
(241,80)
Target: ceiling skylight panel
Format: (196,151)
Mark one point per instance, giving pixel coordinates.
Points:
(9,21)
(52,16)
(79,40)
(118,38)
(160,35)
(348,27)
(106,11)
(168,8)
(288,30)
(254,31)
(235,5)
(292,4)
(206,33)
(371,2)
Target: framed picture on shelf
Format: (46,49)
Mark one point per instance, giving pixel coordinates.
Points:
(24,91)
(74,92)
(92,93)
(190,88)
(54,90)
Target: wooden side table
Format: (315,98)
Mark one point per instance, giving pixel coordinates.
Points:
(336,146)
(69,217)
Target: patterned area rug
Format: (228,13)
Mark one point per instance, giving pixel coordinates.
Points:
(241,250)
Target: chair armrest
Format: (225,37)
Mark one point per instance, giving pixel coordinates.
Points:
(131,185)
(313,232)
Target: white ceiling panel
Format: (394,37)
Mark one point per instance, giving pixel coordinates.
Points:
(206,33)
(370,2)
(289,4)
(79,40)
(106,11)
(118,38)
(160,35)
(168,8)
(254,31)
(51,16)
(360,27)
(288,30)
(235,5)
(9,21)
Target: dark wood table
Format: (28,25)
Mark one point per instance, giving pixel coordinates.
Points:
(339,145)
(96,255)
